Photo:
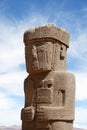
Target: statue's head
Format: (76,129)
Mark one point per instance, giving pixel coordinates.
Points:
(45,49)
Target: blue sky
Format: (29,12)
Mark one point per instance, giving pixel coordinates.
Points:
(18,15)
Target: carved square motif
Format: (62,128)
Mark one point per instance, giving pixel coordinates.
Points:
(44,95)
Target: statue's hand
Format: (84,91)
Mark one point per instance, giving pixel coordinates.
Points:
(40,114)
(28,113)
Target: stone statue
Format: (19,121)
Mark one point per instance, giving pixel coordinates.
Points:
(49,88)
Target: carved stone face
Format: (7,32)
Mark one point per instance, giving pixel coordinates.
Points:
(39,57)
(45,56)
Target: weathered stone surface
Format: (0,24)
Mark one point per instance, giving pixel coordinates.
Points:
(49,88)
(47,32)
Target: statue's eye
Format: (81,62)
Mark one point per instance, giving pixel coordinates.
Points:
(49,85)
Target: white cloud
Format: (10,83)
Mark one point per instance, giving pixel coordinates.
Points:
(78,48)
(12,83)
(11,49)
(10,117)
(9,110)
(81,117)
(5,102)
(81,86)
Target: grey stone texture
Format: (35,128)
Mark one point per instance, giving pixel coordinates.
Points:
(49,89)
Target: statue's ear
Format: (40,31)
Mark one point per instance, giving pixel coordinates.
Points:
(62,52)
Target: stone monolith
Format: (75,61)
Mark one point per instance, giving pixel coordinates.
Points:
(49,89)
